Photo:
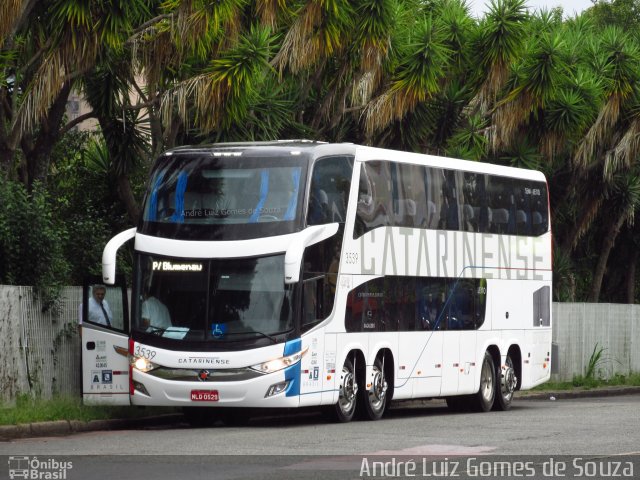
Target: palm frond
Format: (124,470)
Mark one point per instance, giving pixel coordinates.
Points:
(319,32)
(500,40)
(221,94)
(416,79)
(10,11)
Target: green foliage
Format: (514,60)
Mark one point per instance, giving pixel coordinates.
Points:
(29,410)
(32,241)
(595,362)
(579,382)
(85,202)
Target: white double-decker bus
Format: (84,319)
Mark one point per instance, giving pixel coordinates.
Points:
(296,273)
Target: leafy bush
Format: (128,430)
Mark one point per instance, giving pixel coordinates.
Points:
(31,241)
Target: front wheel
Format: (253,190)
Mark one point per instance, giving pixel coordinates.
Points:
(507,382)
(374,399)
(345,409)
(486,394)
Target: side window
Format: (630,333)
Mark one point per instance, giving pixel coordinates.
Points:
(431,297)
(375,197)
(329,193)
(319,279)
(539,209)
(449,211)
(365,307)
(474,203)
(524,218)
(105,305)
(434,181)
(404,304)
(501,205)
(461,312)
(410,198)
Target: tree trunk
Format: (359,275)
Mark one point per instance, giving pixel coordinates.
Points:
(125,193)
(630,279)
(579,228)
(38,157)
(607,245)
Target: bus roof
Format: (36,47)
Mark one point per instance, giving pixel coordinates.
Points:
(315,149)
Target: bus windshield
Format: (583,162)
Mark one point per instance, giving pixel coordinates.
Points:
(206,197)
(213,300)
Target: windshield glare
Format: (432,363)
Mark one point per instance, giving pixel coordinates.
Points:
(217,300)
(216,196)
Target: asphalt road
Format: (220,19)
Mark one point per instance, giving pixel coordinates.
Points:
(583,436)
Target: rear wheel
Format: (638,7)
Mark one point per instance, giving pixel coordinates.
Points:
(345,409)
(374,399)
(486,394)
(506,385)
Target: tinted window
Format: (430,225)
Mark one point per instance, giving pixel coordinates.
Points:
(329,192)
(375,198)
(406,195)
(207,197)
(405,304)
(319,279)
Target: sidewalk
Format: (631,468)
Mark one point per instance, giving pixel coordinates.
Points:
(66,427)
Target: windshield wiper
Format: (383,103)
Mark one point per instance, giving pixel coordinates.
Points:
(265,335)
(256,332)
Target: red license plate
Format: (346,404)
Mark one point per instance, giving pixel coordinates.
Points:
(204,396)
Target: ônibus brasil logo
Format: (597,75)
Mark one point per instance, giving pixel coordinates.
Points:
(38,469)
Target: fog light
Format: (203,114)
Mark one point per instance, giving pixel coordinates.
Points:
(276,389)
(140,388)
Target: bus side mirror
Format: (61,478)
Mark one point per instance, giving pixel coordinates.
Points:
(301,240)
(109,255)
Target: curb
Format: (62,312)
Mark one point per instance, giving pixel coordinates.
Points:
(567,394)
(66,427)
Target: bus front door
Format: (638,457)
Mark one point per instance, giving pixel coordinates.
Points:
(104,326)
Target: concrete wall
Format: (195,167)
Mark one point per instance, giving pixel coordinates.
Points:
(40,352)
(578,328)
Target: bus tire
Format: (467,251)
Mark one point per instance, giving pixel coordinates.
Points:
(345,408)
(374,400)
(506,385)
(484,398)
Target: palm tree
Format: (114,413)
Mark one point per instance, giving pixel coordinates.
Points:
(617,57)
(498,44)
(624,197)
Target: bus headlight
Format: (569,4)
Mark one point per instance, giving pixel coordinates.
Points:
(280,363)
(142,364)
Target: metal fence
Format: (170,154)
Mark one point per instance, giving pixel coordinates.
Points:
(40,351)
(579,329)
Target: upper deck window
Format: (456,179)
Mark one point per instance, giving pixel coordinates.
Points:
(224,198)
(415,196)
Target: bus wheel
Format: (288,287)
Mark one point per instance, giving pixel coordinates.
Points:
(507,383)
(375,398)
(487,391)
(346,406)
